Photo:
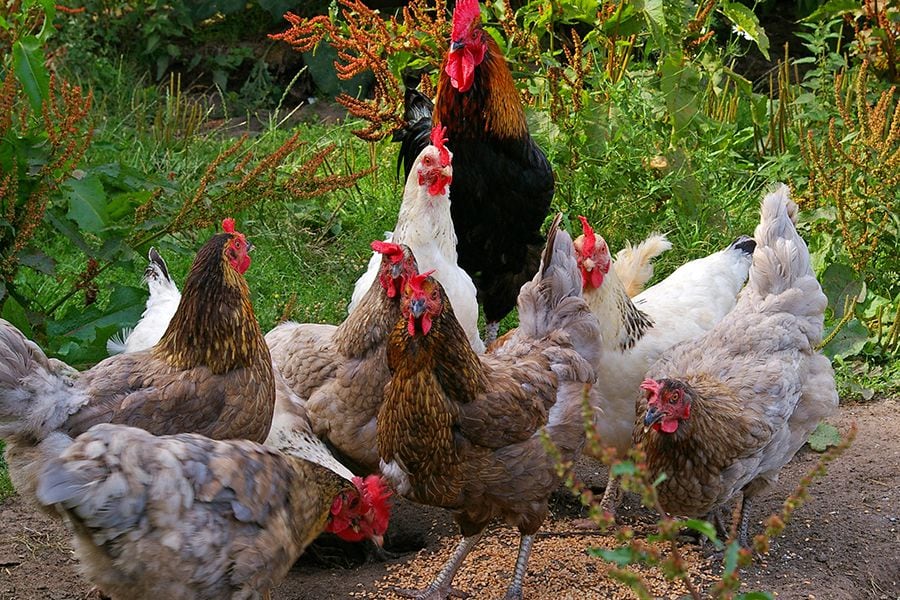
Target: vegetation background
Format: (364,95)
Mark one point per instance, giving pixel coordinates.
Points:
(130,124)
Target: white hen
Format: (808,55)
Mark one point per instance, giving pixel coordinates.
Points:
(424,224)
(161,305)
(636,331)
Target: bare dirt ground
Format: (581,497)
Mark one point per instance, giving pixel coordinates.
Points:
(843,544)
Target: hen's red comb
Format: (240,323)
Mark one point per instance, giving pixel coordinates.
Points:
(650,385)
(392,251)
(416,281)
(228,225)
(464,14)
(590,239)
(438,139)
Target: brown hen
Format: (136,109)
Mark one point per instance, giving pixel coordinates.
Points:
(724,412)
(341,371)
(463,431)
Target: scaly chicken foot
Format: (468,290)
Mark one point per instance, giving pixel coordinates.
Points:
(440,588)
(744,521)
(612,495)
(515,588)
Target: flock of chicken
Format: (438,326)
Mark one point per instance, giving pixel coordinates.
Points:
(202,458)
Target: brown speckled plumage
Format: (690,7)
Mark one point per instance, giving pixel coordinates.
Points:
(465,430)
(341,371)
(210,373)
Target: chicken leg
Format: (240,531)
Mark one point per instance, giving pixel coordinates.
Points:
(515,588)
(743,520)
(440,588)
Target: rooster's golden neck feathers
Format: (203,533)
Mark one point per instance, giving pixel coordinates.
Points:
(491,106)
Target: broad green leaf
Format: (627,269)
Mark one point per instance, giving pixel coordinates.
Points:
(746,24)
(38,261)
(703,527)
(67,230)
(28,64)
(124,308)
(680,84)
(849,341)
(15,313)
(833,8)
(730,559)
(620,556)
(839,281)
(824,436)
(87,203)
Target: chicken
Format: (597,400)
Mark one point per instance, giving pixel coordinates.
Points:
(340,372)
(210,373)
(636,331)
(724,412)
(424,224)
(466,432)
(503,183)
(185,517)
(161,306)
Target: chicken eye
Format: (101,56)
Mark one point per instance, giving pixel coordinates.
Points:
(426,161)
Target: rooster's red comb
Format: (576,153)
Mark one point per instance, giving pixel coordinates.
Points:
(392,251)
(464,14)
(438,139)
(416,281)
(228,225)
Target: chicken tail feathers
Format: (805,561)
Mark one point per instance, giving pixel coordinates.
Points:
(633,264)
(781,276)
(116,343)
(415,134)
(157,266)
(551,303)
(781,255)
(35,391)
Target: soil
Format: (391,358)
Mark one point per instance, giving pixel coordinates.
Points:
(842,544)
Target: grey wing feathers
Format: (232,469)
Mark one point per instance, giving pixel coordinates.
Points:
(36,392)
